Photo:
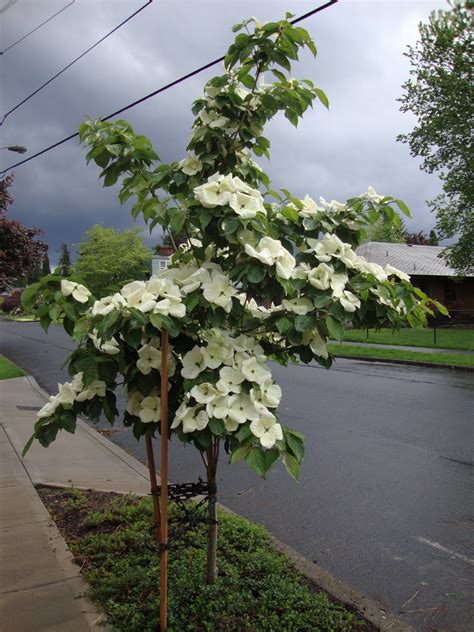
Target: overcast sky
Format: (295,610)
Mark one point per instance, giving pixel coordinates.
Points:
(336,154)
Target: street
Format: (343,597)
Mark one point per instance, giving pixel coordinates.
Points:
(384,499)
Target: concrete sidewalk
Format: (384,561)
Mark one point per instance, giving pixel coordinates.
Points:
(39,583)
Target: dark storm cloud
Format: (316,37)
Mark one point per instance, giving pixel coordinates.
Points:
(336,154)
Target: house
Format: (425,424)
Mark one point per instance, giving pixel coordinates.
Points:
(160,261)
(428,272)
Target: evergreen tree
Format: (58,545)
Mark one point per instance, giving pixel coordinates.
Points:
(45,266)
(65,260)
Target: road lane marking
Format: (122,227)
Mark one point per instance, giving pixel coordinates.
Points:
(440,547)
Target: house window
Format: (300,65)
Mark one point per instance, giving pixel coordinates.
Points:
(450,292)
(162,264)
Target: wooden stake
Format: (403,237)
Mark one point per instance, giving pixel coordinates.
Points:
(153,483)
(164,482)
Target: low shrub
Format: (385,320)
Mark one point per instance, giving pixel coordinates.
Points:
(12,302)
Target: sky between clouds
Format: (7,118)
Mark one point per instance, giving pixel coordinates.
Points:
(336,154)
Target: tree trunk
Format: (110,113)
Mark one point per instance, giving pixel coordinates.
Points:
(212,455)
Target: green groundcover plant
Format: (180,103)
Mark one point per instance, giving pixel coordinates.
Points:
(262,274)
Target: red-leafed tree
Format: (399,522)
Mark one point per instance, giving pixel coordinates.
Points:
(20,248)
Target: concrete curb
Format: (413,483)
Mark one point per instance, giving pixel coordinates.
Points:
(369,609)
(432,365)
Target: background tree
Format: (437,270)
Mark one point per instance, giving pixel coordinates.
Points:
(20,250)
(441,95)
(65,260)
(45,266)
(109,257)
(391,233)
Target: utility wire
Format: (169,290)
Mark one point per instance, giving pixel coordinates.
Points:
(73,62)
(162,89)
(8,5)
(35,29)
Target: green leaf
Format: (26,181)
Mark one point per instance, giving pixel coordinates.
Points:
(255,458)
(216,426)
(284,325)
(290,213)
(239,454)
(305,323)
(255,273)
(229,226)
(322,97)
(177,219)
(109,406)
(244,433)
(28,445)
(29,295)
(335,328)
(441,308)
(403,207)
(296,445)
(292,466)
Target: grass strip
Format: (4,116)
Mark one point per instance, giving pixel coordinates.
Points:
(446,338)
(8,369)
(449,359)
(258,589)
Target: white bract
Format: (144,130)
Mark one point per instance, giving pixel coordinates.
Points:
(267,429)
(271,252)
(79,292)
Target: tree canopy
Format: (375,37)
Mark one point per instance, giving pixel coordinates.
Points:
(109,257)
(20,250)
(440,94)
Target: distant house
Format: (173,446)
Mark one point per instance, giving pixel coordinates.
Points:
(428,272)
(160,261)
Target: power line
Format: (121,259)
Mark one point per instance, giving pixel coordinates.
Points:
(8,5)
(36,28)
(162,89)
(73,62)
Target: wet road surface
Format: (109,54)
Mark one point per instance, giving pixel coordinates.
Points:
(384,501)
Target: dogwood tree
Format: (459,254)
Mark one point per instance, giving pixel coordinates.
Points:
(262,276)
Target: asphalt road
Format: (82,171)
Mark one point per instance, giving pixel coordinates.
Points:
(385,497)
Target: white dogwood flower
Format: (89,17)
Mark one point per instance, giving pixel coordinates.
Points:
(230,380)
(204,393)
(150,409)
(245,205)
(348,300)
(149,358)
(190,165)
(78,291)
(213,119)
(267,429)
(193,363)
(271,252)
(253,371)
(97,387)
(390,270)
(219,291)
(218,407)
(241,408)
(49,408)
(134,401)
(320,277)
(300,306)
(266,394)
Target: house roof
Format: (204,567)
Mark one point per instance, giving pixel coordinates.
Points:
(413,260)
